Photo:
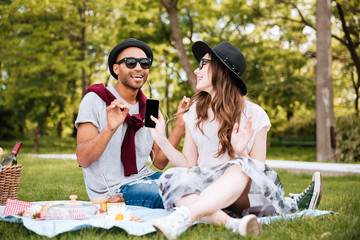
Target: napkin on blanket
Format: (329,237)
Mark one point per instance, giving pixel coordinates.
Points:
(13,207)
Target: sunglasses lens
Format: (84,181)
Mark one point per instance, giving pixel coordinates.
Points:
(201,64)
(145,63)
(131,63)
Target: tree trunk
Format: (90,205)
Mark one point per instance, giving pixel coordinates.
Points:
(59,129)
(176,35)
(325,133)
(36,139)
(39,127)
(289,114)
(351,47)
(357,92)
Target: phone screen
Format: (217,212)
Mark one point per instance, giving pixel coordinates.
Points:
(151,109)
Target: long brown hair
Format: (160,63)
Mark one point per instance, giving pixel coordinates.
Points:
(227,105)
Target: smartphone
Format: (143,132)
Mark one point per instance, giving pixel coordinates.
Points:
(151,109)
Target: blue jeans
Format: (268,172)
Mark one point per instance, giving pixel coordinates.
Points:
(143,192)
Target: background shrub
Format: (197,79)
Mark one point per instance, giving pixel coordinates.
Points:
(296,127)
(347,139)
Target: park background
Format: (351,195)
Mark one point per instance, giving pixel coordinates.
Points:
(52,50)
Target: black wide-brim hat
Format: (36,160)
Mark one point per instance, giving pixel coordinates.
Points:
(228,54)
(130,42)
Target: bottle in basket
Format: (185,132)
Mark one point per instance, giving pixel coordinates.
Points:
(11,158)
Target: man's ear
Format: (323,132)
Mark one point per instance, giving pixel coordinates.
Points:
(116,69)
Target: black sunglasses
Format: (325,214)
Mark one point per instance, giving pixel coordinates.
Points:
(131,62)
(202,62)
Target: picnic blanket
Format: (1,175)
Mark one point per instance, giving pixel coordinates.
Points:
(51,228)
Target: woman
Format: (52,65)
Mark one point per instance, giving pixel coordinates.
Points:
(225,133)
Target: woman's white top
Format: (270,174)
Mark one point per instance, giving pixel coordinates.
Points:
(208,144)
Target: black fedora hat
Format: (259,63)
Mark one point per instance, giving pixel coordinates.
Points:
(130,42)
(229,55)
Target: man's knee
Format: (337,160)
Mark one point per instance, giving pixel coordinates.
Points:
(142,192)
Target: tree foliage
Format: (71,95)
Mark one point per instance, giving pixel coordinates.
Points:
(51,51)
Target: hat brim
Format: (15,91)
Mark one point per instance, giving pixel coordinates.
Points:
(132,42)
(201,48)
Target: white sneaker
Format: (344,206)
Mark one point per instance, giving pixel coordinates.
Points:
(248,225)
(318,189)
(174,224)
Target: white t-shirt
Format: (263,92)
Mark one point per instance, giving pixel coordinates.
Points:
(93,109)
(208,144)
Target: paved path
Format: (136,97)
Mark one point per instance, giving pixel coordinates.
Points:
(330,169)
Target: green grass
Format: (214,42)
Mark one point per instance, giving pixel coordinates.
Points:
(47,144)
(292,153)
(68,145)
(53,179)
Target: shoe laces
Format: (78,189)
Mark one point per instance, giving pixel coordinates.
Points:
(294,195)
(301,195)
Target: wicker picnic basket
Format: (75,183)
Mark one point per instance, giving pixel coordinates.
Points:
(9,182)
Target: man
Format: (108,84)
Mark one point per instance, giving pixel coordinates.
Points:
(112,144)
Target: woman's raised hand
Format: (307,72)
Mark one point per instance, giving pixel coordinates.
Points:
(158,132)
(241,137)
